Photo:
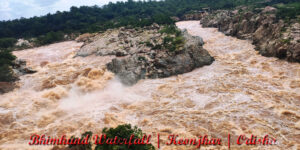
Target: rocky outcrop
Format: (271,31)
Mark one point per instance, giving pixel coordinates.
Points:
(193,16)
(161,63)
(20,68)
(121,42)
(84,37)
(271,36)
(23,43)
(140,53)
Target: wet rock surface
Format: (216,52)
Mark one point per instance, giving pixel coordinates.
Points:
(240,93)
(161,63)
(272,37)
(139,54)
(20,68)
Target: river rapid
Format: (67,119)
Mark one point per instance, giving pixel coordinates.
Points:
(242,92)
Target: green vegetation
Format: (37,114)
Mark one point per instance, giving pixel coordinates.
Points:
(122,131)
(286,41)
(173,43)
(51,28)
(7,42)
(50,37)
(170,29)
(174,40)
(6,61)
(82,147)
(288,11)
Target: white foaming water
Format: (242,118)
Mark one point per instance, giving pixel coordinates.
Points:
(240,93)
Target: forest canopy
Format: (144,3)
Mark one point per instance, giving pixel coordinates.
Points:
(6,61)
(133,13)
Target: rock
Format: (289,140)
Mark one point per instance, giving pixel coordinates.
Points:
(112,40)
(7,87)
(263,29)
(19,68)
(174,18)
(101,45)
(140,53)
(155,26)
(122,35)
(84,37)
(193,16)
(20,62)
(269,9)
(105,53)
(122,29)
(120,42)
(121,53)
(161,64)
(199,40)
(129,70)
(29,70)
(23,43)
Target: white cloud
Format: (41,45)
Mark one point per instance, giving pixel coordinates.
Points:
(4,9)
(4,6)
(64,5)
(13,9)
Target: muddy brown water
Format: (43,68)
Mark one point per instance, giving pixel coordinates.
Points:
(242,92)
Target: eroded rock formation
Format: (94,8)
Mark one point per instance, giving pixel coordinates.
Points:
(272,36)
(140,54)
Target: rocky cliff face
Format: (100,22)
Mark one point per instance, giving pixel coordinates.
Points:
(272,37)
(140,53)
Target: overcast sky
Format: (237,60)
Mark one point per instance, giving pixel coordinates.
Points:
(13,9)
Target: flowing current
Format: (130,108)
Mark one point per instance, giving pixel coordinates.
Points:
(242,92)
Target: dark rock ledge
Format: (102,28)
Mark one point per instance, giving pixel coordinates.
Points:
(161,63)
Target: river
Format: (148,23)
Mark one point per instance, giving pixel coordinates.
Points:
(242,92)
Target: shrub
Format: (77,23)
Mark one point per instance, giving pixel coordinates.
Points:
(6,61)
(171,29)
(7,42)
(6,74)
(149,44)
(124,131)
(49,38)
(288,11)
(174,39)
(173,43)
(82,147)
(286,41)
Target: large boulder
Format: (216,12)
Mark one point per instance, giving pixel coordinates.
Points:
(84,37)
(129,70)
(20,68)
(161,63)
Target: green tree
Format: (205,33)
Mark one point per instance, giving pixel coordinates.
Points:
(7,42)
(6,61)
(50,37)
(131,13)
(123,131)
